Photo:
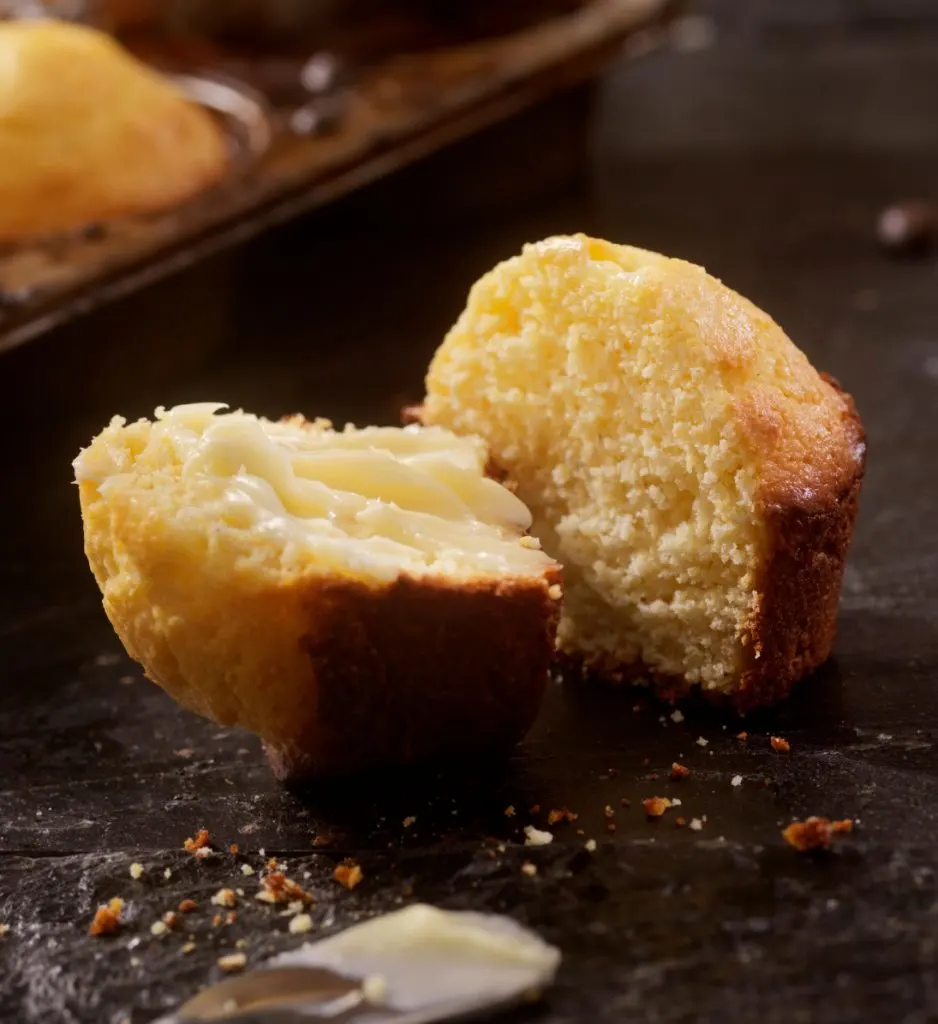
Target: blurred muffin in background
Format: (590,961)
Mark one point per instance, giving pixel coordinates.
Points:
(88,133)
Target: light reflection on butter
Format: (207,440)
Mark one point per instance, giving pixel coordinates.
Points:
(426,956)
(416,493)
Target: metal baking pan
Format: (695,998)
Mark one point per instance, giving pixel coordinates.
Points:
(350,130)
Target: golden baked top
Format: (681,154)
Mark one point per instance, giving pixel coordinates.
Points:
(798,427)
(88,133)
(301,497)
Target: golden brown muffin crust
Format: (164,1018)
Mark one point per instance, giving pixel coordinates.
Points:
(414,671)
(800,587)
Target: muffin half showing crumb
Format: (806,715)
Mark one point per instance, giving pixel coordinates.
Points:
(695,475)
(354,597)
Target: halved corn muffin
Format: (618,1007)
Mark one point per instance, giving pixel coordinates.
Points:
(694,474)
(354,597)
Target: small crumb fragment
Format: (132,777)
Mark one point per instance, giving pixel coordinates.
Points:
(272,864)
(535,809)
(233,849)
(555,592)
(136,871)
(241,944)
(277,888)
(815,833)
(527,541)
(187,906)
(536,837)
(197,842)
(742,736)
(300,923)
(529,869)
(225,898)
(610,826)
(375,990)
(736,780)
(780,744)
(655,806)
(159,928)
(680,822)
(408,821)
(4,930)
(203,853)
(246,869)
(677,716)
(216,920)
(675,802)
(135,961)
(107,918)
(701,742)
(510,811)
(168,873)
(560,814)
(609,812)
(348,873)
(679,771)
(696,824)
(188,947)
(232,962)
(171,919)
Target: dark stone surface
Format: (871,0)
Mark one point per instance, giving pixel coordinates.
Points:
(762,158)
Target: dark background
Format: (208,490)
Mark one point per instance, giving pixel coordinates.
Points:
(765,155)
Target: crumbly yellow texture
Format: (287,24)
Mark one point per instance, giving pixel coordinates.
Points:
(643,410)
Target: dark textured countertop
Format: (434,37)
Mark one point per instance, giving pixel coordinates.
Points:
(767,157)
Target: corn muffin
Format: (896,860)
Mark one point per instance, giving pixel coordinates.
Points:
(354,597)
(88,133)
(682,459)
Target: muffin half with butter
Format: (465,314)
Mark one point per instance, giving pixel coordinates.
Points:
(354,597)
(693,472)
(88,133)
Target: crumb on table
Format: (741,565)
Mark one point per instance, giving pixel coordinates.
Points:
(107,918)
(232,962)
(815,833)
(348,873)
(199,841)
(655,806)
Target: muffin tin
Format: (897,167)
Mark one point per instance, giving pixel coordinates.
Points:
(302,133)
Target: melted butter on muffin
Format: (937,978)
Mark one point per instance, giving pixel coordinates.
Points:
(363,501)
(355,597)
